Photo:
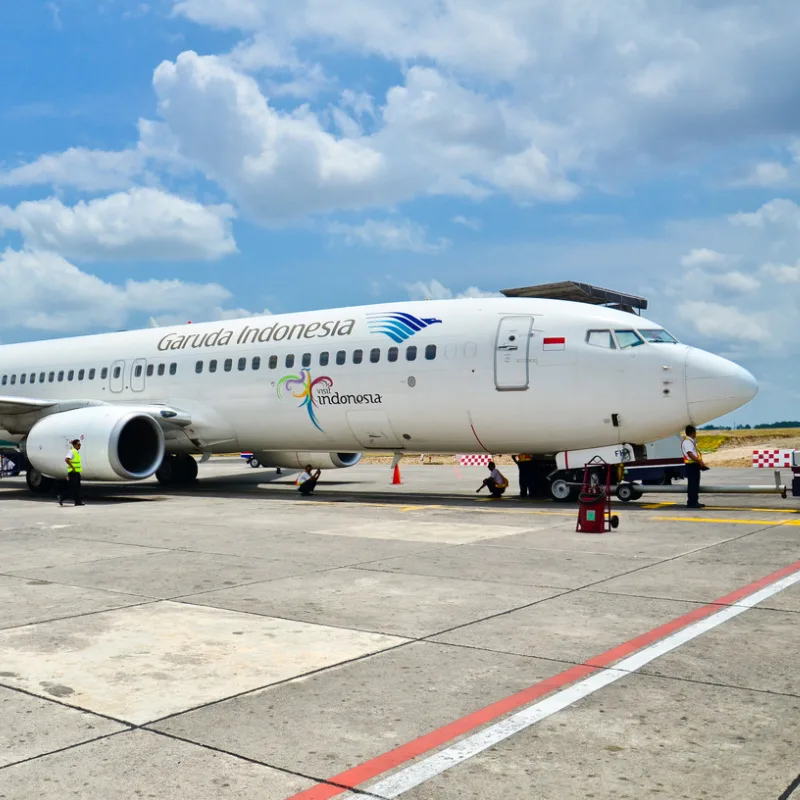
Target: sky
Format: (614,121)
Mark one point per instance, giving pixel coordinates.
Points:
(210,159)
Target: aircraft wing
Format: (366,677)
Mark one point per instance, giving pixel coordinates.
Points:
(11,406)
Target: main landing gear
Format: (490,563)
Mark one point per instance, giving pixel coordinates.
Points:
(177,471)
(38,483)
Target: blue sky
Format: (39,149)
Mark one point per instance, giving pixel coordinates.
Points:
(191,159)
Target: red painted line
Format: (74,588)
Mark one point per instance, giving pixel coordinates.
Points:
(555,340)
(430,741)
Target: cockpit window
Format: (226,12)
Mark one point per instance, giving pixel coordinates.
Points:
(659,336)
(628,339)
(601,339)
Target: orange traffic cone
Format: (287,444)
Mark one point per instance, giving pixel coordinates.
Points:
(396,476)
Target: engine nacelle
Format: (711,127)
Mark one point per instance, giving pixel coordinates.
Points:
(298,460)
(117,443)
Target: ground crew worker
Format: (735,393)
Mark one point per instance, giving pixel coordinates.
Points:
(74,469)
(694,463)
(524,462)
(497,483)
(307,482)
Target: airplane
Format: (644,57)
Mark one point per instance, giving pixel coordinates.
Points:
(490,375)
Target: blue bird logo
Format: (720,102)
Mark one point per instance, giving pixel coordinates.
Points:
(398,325)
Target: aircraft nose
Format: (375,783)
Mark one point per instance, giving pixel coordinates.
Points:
(715,386)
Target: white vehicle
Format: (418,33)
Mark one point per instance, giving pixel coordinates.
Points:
(473,375)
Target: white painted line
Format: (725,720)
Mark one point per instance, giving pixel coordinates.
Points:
(416,774)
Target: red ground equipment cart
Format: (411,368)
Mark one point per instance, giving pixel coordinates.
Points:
(594,501)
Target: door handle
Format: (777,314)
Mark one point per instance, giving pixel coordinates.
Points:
(507,347)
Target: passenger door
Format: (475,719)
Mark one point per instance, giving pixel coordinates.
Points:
(137,374)
(117,376)
(511,353)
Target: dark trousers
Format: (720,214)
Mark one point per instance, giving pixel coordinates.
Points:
(494,489)
(308,487)
(71,488)
(693,480)
(526,479)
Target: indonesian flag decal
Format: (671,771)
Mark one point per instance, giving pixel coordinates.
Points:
(554,343)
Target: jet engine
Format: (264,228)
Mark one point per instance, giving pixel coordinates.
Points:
(116,443)
(298,460)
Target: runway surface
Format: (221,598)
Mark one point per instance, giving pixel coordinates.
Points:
(234,640)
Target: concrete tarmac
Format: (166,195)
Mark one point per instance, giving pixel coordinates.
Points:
(235,640)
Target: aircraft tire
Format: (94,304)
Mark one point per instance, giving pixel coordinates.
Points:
(167,473)
(561,491)
(187,469)
(38,483)
(627,492)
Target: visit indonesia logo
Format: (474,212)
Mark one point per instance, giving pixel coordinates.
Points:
(315,392)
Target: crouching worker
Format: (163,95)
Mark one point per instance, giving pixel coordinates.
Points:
(497,483)
(307,482)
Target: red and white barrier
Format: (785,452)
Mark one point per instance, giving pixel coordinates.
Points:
(772,459)
(473,459)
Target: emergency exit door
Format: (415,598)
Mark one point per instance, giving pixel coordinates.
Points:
(137,374)
(511,352)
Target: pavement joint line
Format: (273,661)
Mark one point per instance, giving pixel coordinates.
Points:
(790,789)
(80,615)
(65,749)
(688,600)
(675,678)
(580,681)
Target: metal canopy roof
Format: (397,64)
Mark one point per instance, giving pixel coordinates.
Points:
(581,293)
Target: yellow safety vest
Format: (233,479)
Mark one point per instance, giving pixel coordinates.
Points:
(686,459)
(75,457)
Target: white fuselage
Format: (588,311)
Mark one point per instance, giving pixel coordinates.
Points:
(507,375)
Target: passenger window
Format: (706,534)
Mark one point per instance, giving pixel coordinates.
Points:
(93,372)
(33,377)
(117,372)
(256,362)
(173,368)
(601,339)
(289,363)
(5,379)
(103,373)
(341,357)
(212,365)
(82,374)
(323,358)
(198,367)
(430,352)
(358,356)
(375,355)
(392,354)
(51,377)
(228,365)
(13,379)
(450,351)
(628,339)
(242,364)
(71,375)
(470,350)
(41,377)
(273,362)
(61,376)
(23,378)
(150,371)
(137,372)
(162,368)
(411,353)
(306,359)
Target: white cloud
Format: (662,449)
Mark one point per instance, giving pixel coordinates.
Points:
(779,212)
(139,224)
(703,257)
(723,322)
(473,223)
(90,170)
(434,290)
(782,273)
(766,173)
(389,235)
(43,291)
